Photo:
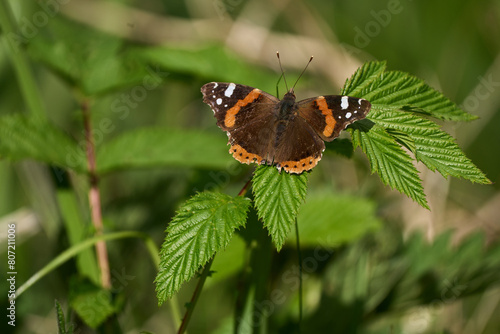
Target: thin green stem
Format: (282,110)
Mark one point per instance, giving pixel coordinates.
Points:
(12,39)
(76,249)
(299,255)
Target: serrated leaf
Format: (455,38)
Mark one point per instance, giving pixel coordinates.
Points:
(434,147)
(278,197)
(396,99)
(160,147)
(363,77)
(399,89)
(203,225)
(330,220)
(23,137)
(389,160)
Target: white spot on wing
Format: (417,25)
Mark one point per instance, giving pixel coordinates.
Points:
(344,104)
(359,101)
(348,115)
(219,101)
(215,85)
(230,89)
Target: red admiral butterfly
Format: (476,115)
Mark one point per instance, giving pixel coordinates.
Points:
(285,133)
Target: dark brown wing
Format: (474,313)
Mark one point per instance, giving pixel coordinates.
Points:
(246,113)
(298,147)
(331,114)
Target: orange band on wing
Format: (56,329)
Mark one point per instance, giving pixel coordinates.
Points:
(240,154)
(231,113)
(300,166)
(330,121)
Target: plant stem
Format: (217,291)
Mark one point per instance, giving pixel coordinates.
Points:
(95,197)
(196,295)
(299,255)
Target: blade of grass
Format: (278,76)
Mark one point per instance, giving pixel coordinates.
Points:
(27,83)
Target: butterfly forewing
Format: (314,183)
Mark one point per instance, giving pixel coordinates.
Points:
(330,114)
(233,104)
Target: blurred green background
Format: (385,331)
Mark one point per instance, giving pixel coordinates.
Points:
(392,266)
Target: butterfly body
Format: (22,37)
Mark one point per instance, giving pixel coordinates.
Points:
(288,134)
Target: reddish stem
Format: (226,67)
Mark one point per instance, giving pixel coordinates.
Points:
(95,198)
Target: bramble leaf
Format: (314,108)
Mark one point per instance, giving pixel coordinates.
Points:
(203,225)
(389,160)
(399,101)
(432,146)
(278,197)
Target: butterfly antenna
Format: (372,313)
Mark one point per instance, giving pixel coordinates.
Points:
(281,68)
(277,85)
(305,68)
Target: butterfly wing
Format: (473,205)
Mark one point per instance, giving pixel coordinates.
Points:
(298,147)
(246,114)
(329,115)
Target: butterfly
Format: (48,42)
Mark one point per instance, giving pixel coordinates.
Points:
(286,133)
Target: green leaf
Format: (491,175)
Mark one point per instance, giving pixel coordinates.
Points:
(399,89)
(203,225)
(212,62)
(93,61)
(24,137)
(331,220)
(161,146)
(389,160)
(362,78)
(397,98)
(93,304)
(278,197)
(434,147)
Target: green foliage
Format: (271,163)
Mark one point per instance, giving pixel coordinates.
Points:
(430,145)
(213,62)
(23,137)
(95,62)
(374,278)
(93,304)
(278,197)
(331,219)
(163,147)
(397,100)
(389,160)
(203,225)
(398,89)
